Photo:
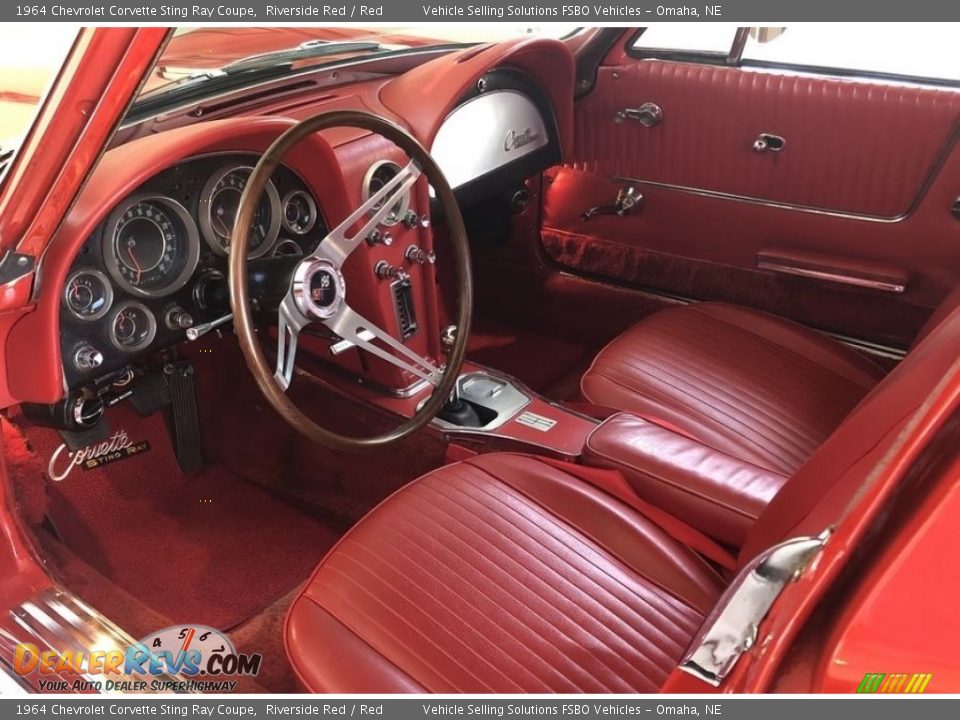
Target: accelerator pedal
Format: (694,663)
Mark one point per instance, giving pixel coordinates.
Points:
(186,418)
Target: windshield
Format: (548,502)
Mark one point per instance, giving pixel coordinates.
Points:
(197,54)
(30,56)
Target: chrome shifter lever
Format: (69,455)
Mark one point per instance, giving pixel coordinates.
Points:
(627,199)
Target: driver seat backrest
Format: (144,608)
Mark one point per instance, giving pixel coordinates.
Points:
(817,493)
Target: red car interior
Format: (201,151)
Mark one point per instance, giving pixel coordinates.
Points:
(660,396)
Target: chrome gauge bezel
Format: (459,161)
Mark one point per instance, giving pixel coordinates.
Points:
(108,294)
(206,207)
(287,242)
(192,240)
(312,204)
(402,202)
(142,345)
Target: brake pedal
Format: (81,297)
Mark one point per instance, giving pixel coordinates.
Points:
(187,444)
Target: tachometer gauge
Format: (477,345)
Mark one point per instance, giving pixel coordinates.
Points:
(378,175)
(88,294)
(151,245)
(132,326)
(219,203)
(299,212)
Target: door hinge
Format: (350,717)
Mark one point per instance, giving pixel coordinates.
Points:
(14,266)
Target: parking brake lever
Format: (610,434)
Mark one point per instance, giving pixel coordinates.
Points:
(627,199)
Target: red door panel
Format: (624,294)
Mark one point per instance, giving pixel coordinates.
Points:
(857,147)
(861,191)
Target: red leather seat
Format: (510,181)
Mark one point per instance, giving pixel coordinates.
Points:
(505,574)
(752,385)
(499,574)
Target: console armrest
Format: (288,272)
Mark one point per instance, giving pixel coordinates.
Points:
(718,494)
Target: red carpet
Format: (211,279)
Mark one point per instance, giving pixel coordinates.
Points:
(210,548)
(537,360)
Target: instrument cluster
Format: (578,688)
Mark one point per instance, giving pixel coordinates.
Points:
(157,265)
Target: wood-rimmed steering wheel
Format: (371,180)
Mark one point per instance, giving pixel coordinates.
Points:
(318,292)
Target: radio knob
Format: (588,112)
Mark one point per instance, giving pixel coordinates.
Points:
(412,220)
(380,238)
(420,256)
(178,319)
(87,358)
(386,271)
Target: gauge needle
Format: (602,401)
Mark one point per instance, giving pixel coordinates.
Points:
(224,230)
(131,244)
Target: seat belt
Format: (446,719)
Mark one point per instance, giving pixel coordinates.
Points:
(612,482)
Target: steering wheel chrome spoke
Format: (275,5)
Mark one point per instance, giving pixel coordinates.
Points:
(317,291)
(350,325)
(290,322)
(337,245)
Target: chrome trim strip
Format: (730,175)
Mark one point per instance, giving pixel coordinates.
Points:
(870,348)
(884,351)
(731,628)
(57,620)
(831,277)
(932,174)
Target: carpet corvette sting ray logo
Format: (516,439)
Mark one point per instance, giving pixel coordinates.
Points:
(118,446)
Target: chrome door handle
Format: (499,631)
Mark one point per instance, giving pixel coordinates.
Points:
(627,199)
(768,142)
(648,114)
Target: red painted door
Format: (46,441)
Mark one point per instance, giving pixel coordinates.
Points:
(92,90)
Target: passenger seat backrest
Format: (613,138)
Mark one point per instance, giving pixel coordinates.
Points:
(815,496)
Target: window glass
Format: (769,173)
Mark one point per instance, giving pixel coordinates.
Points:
(686,38)
(30,56)
(921,50)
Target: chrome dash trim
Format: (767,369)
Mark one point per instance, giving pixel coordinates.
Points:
(831,277)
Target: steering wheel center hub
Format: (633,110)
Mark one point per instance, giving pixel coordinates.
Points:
(318,289)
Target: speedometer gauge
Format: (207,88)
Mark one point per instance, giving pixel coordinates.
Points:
(219,203)
(151,245)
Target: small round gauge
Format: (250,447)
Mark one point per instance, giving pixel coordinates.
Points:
(379,174)
(151,245)
(299,212)
(219,203)
(287,248)
(132,326)
(88,294)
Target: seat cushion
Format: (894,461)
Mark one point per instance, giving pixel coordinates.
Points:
(754,386)
(499,574)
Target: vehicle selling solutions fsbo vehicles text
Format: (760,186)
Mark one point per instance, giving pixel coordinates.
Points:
(568,11)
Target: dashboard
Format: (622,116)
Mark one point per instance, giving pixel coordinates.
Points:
(142,255)
(156,266)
